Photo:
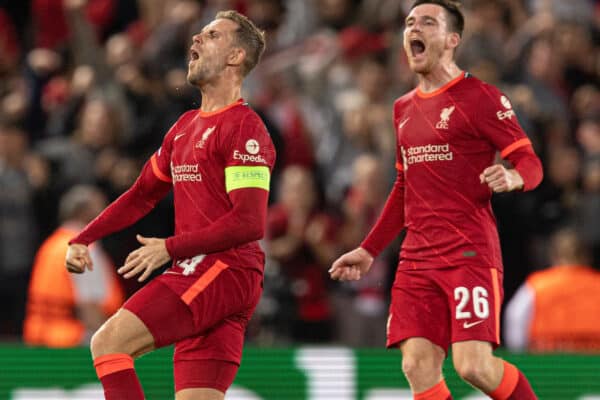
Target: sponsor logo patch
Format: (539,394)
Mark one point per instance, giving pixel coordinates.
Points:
(186,173)
(252,146)
(468,325)
(427,153)
(248,157)
(403,122)
(509,111)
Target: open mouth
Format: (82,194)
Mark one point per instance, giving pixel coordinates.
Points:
(417,47)
(194,55)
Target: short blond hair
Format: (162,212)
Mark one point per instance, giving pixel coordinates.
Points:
(249,37)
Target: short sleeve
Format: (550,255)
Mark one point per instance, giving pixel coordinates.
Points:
(496,121)
(250,156)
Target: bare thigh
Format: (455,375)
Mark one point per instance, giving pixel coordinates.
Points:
(125,333)
(475,363)
(422,363)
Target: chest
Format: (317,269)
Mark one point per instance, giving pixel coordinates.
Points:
(196,143)
(434,122)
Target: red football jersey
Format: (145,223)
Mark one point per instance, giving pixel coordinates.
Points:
(205,156)
(445,140)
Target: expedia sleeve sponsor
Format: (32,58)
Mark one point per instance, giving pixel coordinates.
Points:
(243,157)
(185,173)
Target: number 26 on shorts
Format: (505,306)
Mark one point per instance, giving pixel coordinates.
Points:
(479,298)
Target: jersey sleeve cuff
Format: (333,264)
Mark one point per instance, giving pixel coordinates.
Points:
(171,248)
(367,245)
(77,240)
(515,146)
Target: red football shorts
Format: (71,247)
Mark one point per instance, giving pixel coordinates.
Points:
(206,318)
(446,305)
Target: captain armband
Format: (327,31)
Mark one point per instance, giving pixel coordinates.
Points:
(240,177)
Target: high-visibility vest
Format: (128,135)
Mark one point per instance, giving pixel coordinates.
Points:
(51,318)
(567,309)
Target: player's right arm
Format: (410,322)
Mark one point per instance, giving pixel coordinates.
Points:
(356,263)
(153,183)
(132,205)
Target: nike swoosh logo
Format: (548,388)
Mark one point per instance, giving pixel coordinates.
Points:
(404,121)
(468,325)
(178,136)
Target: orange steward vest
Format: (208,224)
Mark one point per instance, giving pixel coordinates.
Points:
(566,314)
(51,318)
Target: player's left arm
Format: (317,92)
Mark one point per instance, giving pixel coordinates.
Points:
(526,174)
(498,123)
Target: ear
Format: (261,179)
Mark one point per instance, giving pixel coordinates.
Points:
(236,57)
(453,40)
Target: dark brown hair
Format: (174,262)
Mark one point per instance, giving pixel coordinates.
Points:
(249,37)
(452,7)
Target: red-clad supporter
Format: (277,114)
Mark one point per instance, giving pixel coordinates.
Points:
(361,306)
(9,44)
(52,30)
(301,239)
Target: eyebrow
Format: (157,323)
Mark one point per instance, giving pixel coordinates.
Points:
(425,17)
(210,30)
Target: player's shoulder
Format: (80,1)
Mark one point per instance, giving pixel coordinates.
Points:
(247,119)
(403,101)
(476,88)
(187,116)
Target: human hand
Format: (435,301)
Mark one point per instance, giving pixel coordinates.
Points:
(351,266)
(499,179)
(78,258)
(146,259)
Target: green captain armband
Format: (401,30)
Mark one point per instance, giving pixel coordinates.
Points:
(239,177)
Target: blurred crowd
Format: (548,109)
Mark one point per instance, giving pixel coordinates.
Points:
(88,88)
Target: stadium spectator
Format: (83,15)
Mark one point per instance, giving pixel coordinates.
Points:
(552,311)
(588,210)
(361,307)
(301,239)
(64,310)
(19,181)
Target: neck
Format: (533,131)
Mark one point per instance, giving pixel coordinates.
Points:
(216,95)
(438,77)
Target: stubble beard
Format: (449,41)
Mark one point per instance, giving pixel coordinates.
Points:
(203,74)
(195,78)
